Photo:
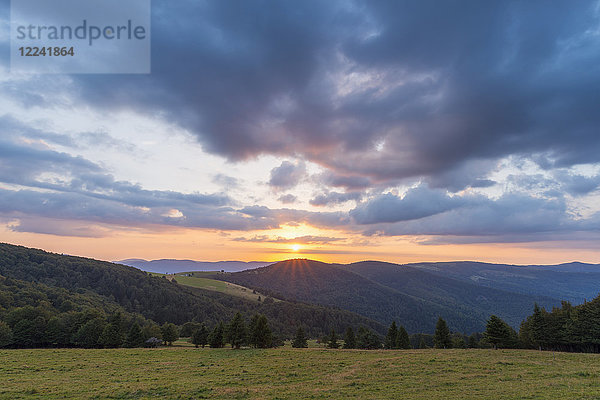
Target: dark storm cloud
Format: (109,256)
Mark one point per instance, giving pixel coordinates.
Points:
(436,84)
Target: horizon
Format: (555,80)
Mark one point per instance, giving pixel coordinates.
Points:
(117,261)
(360,135)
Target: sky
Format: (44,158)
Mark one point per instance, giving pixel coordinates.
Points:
(339,131)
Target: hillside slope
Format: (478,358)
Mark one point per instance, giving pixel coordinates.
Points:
(465,296)
(575,282)
(57,278)
(336,285)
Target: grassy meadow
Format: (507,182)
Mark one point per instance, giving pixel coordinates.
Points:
(183,372)
(203,280)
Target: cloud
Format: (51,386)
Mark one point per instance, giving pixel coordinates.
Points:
(287,175)
(58,227)
(288,199)
(299,240)
(228,182)
(577,185)
(350,182)
(417,203)
(477,216)
(365,90)
(334,198)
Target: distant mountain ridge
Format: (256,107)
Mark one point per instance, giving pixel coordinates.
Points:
(173,266)
(575,281)
(464,293)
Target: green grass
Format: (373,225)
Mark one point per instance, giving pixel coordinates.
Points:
(184,372)
(202,280)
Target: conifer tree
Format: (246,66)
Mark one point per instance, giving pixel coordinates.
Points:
(332,342)
(422,344)
(499,334)
(349,339)
(300,339)
(260,333)
(169,333)
(403,339)
(134,337)
(203,335)
(391,339)
(237,331)
(473,342)
(196,338)
(441,338)
(216,338)
(538,327)
(366,339)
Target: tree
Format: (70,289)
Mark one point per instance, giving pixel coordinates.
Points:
(169,333)
(57,331)
(366,339)
(473,341)
(216,338)
(237,331)
(135,338)
(499,334)
(349,339)
(188,329)
(152,330)
(89,334)
(403,341)
(333,343)
(391,339)
(441,338)
(538,327)
(111,336)
(200,336)
(261,336)
(6,334)
(422,344)
(458,341)
(300,339)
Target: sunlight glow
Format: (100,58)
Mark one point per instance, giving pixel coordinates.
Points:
(296,247)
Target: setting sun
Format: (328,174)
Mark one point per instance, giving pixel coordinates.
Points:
(296,247)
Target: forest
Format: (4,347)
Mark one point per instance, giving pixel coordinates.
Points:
(50,300)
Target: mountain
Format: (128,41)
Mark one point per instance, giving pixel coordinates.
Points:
(58,283)
(465,296)
(169,266)
(575,282)
(387,292)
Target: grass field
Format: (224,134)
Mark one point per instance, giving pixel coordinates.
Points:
(184,372)
(202,280)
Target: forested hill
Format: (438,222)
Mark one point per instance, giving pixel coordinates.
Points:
(388,292)
(466,296)
(32,277)
(575,282)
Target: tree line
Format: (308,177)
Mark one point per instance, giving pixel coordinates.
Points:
(31,327)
